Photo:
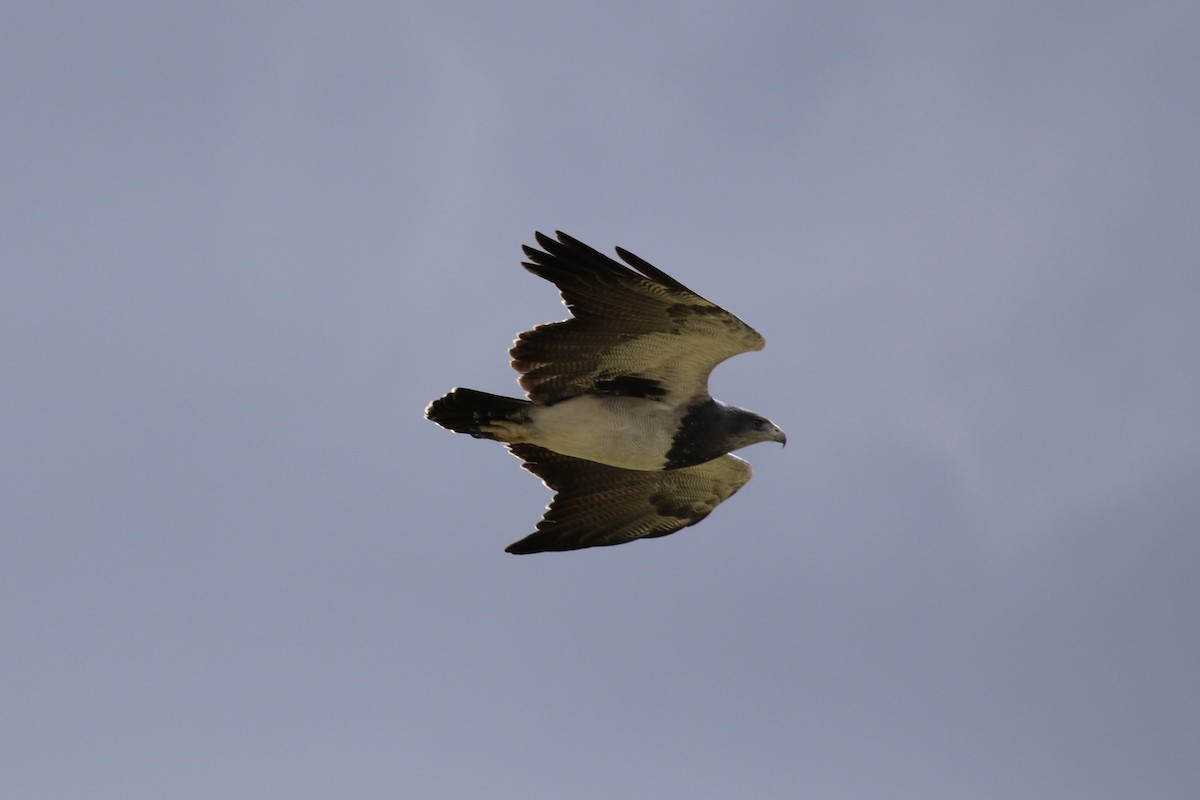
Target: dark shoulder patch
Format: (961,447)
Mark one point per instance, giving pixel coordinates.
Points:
(698,438)
(631,386)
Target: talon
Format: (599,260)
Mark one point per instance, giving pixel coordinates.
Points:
(504,431)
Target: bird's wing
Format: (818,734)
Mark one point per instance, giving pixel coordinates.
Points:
(596,505)
(633,331)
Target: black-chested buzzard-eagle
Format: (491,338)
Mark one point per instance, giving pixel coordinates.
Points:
(619,421)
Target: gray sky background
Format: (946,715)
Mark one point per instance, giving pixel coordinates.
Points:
(244,244)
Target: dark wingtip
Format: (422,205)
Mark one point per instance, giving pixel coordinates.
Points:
(522,548)
(568,239)
(649,270)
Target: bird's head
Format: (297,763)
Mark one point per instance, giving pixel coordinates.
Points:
(751,428)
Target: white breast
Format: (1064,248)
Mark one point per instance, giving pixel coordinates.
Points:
(627,432)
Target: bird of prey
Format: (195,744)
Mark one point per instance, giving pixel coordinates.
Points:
(619,422)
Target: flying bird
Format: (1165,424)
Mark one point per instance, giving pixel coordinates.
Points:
(618,422)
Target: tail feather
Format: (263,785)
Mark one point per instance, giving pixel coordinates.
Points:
(468,411)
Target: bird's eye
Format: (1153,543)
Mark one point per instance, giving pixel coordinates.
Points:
(758,424)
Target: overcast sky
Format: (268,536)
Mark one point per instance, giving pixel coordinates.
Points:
(244,244)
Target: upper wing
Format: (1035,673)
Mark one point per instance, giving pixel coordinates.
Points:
(631,333)
(596,505)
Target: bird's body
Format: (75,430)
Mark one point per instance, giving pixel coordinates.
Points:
(619,421)
(626,432)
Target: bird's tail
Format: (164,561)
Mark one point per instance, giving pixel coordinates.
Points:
(474,413)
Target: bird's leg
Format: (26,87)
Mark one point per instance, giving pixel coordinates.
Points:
(503,430)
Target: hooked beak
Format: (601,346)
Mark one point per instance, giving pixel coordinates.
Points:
(780,436)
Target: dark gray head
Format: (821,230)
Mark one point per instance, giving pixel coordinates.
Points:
(712,428)
(745,427)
